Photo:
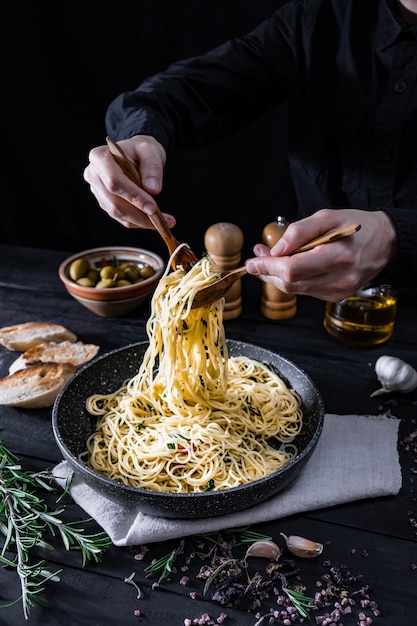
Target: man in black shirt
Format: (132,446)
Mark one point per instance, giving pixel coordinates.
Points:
(348,70)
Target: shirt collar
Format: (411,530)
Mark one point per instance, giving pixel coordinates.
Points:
(390,24)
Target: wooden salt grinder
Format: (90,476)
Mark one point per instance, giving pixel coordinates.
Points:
(224,242)
(275,304)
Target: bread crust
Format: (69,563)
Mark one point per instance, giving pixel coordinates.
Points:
(21,337)
(75,352)
(36,386)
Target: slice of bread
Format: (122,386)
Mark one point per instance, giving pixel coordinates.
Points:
(36,386)
(75,352)
(21,337)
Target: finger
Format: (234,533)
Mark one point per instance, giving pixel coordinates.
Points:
(149,157)
(292,273)
(116,191)
(261,250)
(320,223)
(151,171)
(114,204)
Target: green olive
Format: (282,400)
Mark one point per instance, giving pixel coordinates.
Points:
(93,275)
(132,273)
(85,281)
(105,283)
(79,268)
(120,273)
(147,271)
(108,271)
(108,275)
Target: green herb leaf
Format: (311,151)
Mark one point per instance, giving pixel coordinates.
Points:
(300,602)
(24,520)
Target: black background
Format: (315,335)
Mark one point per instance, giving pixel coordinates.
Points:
(63,62)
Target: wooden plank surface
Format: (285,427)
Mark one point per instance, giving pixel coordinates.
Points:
(373,538)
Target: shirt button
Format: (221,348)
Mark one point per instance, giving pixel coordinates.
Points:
(400,86)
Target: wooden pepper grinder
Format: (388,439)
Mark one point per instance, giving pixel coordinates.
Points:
(275,304)
(224,242)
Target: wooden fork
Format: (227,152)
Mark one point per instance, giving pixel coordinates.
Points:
(184,257)
(221,286)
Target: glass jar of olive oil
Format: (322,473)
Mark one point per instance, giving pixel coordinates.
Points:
(365,319)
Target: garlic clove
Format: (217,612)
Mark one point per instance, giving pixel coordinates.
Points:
(305,548)
(264,548)
(394,375)
(379,392)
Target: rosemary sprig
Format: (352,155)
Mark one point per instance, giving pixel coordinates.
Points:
(244,534)
(164,564)
(250,536)
(300,602)
(25,519)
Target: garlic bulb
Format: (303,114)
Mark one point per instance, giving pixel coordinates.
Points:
(394,375)
(299,546)
(265,548)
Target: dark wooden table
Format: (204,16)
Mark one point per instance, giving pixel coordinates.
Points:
(374,539)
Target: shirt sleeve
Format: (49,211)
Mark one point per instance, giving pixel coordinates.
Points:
(198,100)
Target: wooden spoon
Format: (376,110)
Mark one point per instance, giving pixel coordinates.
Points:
(217,289)
(184,256)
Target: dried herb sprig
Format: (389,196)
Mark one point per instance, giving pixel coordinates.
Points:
(25,519)
(231,567)
(165,564)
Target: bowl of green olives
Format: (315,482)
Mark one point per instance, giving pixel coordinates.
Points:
(111,281)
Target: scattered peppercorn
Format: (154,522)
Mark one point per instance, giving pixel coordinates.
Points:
(274,596)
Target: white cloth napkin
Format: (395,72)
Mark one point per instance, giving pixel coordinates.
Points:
(356,458)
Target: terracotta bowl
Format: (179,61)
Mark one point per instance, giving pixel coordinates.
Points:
(72,425)
(113,301)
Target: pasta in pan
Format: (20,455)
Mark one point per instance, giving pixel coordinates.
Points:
(193,418)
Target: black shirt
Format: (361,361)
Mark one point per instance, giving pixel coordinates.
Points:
(348,70)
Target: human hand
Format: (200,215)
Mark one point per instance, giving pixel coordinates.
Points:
(333,271)
(116,193)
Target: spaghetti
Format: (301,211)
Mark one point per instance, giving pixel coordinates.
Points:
(193,418)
